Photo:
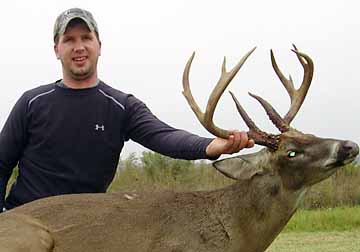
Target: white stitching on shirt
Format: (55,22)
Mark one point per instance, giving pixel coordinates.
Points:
(112,98)
(45,93)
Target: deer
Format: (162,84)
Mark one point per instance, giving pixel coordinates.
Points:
(245,216)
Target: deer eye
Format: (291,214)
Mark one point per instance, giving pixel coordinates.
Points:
(291,154)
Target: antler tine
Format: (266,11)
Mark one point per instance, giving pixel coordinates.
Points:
(260,137)
(303,63)
(288,83)
(206,119)
(297,96)
(250,123)
(187,92)
(277,120)
(300,94)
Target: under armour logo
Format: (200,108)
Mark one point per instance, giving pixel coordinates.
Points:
(98,127)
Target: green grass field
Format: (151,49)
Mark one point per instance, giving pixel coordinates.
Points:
(322,220)
(330,230)
(330,241)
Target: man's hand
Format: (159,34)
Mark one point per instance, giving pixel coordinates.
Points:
(237,141)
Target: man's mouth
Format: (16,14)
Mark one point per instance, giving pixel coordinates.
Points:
(79,59)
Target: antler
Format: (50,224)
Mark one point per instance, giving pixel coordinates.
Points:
(206,119)
(297,96)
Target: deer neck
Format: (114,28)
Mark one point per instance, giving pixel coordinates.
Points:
(256,210)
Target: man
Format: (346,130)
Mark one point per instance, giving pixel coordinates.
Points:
(66,137)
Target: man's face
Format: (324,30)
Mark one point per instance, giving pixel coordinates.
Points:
(78,49)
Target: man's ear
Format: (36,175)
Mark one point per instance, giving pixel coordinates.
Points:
(242,167)
(56,50)
(99,48)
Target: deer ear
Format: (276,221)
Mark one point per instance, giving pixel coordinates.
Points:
(242,167)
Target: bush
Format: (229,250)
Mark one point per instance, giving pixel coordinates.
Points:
(341,189)
(154,171)
(165,170)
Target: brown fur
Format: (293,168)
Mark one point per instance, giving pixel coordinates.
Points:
(221,220)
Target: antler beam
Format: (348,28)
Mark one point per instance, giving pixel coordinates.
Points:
(297,96)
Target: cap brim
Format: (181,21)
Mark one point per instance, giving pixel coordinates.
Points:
(62,29)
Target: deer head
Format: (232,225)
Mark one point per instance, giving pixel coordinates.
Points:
(300,159)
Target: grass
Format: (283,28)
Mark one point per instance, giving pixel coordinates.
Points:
(330,230)
(332,241)
(333,219)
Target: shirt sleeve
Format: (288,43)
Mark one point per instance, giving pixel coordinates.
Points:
(146,129)
(12,141)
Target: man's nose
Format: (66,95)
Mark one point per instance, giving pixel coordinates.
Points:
(79,47)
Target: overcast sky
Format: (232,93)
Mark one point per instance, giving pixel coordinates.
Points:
(145,45)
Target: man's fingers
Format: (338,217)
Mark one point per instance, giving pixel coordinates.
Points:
(237,141)
(250,143)
(243,140)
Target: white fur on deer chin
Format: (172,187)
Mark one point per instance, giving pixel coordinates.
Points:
(300,198)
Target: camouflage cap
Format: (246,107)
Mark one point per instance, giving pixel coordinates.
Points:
(65,17)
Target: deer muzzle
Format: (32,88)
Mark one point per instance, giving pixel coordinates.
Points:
(347,152)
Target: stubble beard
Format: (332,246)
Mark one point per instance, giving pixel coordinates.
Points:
(81,73)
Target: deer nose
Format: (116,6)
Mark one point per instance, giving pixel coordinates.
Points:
(347,150)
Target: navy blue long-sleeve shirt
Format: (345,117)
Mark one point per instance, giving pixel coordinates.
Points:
(69,140)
